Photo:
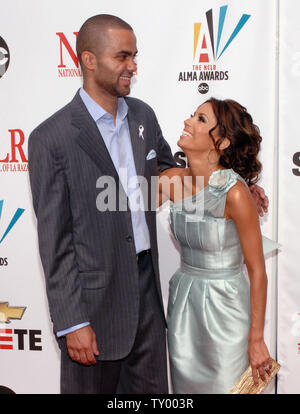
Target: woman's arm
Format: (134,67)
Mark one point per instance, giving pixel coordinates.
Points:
(240,207)
(170,185)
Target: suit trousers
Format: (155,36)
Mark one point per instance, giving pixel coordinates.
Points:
(144,369)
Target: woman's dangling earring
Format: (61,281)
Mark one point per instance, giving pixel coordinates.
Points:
(208,160)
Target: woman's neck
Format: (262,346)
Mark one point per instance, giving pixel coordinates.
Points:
(201,167)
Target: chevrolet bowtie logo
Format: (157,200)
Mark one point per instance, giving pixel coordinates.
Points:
(10,312)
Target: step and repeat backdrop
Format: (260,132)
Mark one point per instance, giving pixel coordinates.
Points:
(248,51)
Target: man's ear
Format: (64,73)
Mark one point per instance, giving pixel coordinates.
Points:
(225,144)
(88,60)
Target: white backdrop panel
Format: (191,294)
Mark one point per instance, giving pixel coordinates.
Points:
(31,90)
(289,179)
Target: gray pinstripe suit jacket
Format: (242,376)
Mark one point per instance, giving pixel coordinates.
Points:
(89,256)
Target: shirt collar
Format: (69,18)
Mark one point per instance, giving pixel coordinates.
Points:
(96,111)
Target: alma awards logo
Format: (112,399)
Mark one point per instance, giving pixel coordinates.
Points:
(4,57)
(209,45)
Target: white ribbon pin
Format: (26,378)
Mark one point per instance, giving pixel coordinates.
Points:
(141,130)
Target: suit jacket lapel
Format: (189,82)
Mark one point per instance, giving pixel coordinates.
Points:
(137,142)
(90,139)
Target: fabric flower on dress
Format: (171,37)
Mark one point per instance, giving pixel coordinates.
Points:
(221,181)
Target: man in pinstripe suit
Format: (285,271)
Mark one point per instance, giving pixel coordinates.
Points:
(101,267)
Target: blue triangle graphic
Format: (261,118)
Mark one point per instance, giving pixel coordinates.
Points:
(13,221)
(1,205)
(237,29)
(222,15)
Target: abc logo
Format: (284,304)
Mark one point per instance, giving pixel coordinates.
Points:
(4,57)
(203,88)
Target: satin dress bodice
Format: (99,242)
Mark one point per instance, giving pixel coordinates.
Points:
(209,307)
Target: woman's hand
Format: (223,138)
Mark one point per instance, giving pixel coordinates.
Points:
(259,359)
(260,199)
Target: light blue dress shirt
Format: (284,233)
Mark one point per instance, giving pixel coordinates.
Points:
(122,158)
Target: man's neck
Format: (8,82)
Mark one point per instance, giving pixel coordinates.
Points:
(107,101)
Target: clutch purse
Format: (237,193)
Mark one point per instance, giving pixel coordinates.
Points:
(245,384)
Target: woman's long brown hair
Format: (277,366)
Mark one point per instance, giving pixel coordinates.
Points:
(236,124)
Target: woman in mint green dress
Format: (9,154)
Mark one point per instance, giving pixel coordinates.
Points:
(215,316)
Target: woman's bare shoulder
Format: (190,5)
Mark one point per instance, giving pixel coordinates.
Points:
(239,202)
(174,172)
(238,193)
